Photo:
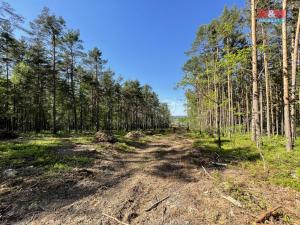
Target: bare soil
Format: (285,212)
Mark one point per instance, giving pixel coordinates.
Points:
(126,186)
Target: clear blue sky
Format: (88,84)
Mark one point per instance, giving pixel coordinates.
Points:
(141,39)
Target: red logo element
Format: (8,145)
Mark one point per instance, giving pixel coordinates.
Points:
(270,13)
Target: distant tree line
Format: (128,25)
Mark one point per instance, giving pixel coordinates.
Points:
(48,82)
(241,75)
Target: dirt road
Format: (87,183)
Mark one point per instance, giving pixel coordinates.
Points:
(126,186)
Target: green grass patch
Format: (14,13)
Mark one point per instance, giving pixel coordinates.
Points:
(240,193)
(135,143)
(123,147)
(283,168)
(43,152)
(81,140)
(60,167)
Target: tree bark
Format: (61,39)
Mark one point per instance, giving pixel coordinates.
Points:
(97,97)
(73,92)
(247,111)
(267,82)
(286,100)
(255,113)
(215,90)
(271,107)
(54,84)
(230,111)
(293,85)
(7,97)
(261,111)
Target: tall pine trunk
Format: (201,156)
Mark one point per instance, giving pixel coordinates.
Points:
(294,73)
(267,82)
(255,104)
(7,126)
(247,110)
(230,111)
(73,92)
(261,110)
(54,84)
(286,100)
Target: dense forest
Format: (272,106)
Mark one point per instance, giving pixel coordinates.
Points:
(49,82)
(227,92)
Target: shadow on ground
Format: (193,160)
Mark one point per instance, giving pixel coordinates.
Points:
(228,155)
(179,162)
(52,177)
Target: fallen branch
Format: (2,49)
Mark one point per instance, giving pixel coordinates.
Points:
(115,219)
(232,200)
(219,164)
(270,212)
(264,224)
(205,171)
(267,214)
(34,185)
(42,208)
(156,204)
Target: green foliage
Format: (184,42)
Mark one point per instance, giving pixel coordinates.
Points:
(217,68)
(51,84)
(21,72)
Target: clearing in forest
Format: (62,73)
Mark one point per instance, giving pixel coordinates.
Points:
(159,179)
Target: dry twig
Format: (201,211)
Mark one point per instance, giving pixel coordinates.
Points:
(156,204)
(205,171)
(228,198)
(219,164)
(115,219)
(232,200)
(267,214)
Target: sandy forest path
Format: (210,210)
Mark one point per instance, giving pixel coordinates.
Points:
(126,186)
